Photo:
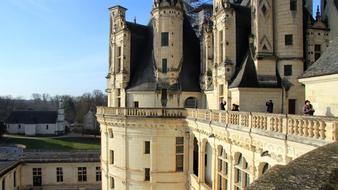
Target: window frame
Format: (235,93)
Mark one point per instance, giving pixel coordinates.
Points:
(59,174)
(293,5)
(146,147)
(165,39)
(146,174)
(164,65)
(98,174)
(288,70)
(179,153)
(112,157)
(82,174)
(112,183)
(288,39)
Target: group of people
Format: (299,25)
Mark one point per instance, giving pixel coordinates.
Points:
(235,107)
(307,109)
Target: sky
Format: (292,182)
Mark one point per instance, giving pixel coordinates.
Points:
(58,46)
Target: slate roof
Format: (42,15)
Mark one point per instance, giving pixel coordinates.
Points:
(32,117)
(247,76)
(314,170)
(142,60)
(327,64)
(245,70)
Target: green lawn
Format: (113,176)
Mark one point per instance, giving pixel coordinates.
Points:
(48,143)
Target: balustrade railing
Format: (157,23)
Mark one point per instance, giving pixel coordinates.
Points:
(142,112)
(319,128)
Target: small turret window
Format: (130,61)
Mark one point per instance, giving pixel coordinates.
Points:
(165,39)
(293,5)
(164,65)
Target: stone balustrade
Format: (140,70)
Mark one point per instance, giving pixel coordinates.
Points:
(142,112)
(318,128)
(293,126)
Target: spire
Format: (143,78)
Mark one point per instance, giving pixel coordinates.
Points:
(318,14)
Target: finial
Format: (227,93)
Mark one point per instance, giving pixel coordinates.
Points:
(135,19)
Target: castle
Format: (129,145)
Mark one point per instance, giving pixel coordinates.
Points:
(163,128)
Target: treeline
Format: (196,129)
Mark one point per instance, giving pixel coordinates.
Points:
(75,106)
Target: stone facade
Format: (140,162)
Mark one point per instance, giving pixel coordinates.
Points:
(195,149)
(245,47)
(50,171)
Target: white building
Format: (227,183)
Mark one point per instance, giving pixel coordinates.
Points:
(32,123)
(321,81)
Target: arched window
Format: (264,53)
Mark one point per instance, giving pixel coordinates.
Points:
(242,175)
(190,102)
(223,169)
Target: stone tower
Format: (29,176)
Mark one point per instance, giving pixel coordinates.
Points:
(289,49)
(167,20)
(263,39)
(119,59)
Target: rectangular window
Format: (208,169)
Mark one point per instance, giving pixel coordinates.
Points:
(288,39)
(118,59)
(221,90)
(46,127)
(147,147)
(287,70)
(318,47)
(221,47)
(164,65)
(110,133)
(165,39)
(118,65)
(98,174)
(82,174)
(136,104)
(112,183)
(14,179)
(179,154)
(292,106)
(119,51)
(318,51)
(293,5)
(118,102)
(111,157)
(59,175)
(3,184)
(37,177)
(118,92)
(147,174)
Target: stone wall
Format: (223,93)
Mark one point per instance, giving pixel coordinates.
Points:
(256,140)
